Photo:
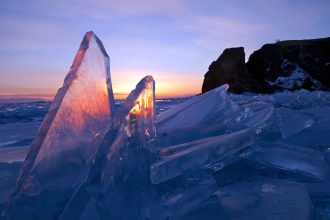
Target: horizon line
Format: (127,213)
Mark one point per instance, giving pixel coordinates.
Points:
(117,96)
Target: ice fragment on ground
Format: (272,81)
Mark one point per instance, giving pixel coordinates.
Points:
(295,159)
(183,200)
(292,122)
(265,199)
(317,135)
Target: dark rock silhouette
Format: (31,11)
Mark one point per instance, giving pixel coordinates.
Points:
(229,68)
(285,65)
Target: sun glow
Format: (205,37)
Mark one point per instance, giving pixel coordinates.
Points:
(168,85)
(142,114)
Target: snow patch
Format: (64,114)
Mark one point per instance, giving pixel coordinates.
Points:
(296,79)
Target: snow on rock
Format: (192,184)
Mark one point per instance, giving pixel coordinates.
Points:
(296,79)
(69,136)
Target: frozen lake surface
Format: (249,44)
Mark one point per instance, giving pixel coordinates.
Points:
(286,164)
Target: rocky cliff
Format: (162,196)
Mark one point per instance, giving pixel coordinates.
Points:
(229,68)
(285,65)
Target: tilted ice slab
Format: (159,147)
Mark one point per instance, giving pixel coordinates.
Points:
(196,154)
(292,122)
(120,187)
(253,115)
(297,160)
(69,136)
(203,109)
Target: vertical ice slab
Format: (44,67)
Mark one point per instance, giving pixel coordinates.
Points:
(195,154)
(141,117)
(265,199)
(126,187)
(70,134)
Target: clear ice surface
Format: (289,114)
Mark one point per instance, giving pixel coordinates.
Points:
(69,136)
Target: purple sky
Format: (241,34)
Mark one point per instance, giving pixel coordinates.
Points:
(175,41)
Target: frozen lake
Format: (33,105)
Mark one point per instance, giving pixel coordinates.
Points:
(288,162)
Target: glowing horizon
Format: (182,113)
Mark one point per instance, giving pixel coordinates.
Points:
(121,89)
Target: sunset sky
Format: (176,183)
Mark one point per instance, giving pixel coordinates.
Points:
(175,41)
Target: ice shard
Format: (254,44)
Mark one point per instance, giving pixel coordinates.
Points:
(197,111)
(69,136)
(196,154)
